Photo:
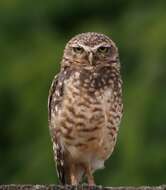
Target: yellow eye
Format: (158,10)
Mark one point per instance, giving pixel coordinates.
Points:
(78,49)
(103,49)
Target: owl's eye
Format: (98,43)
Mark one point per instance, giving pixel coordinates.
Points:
(103,49)
(78,49)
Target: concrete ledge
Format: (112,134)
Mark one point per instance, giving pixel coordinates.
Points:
(80,187)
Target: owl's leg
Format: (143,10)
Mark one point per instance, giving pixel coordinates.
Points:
(73,176)
(89,175)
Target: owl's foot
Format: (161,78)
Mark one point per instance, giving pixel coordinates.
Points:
(90,178)
(73,175)
(73,180)
(91,181)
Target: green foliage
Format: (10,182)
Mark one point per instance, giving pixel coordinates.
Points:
(32,38)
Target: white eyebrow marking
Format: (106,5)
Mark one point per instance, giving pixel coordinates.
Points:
(88,49)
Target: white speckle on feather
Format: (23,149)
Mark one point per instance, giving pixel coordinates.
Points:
(77,75)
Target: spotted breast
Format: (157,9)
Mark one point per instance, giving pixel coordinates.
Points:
(90,113)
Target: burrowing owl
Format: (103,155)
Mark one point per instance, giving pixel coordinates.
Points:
(85,107)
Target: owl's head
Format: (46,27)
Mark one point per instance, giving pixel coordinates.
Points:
(90,50)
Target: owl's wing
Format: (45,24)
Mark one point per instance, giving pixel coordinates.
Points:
(55,98)
(50,96)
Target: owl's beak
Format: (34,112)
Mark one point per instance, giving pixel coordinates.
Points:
(90,58)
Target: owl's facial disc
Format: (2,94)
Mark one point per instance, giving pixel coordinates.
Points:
(91,55)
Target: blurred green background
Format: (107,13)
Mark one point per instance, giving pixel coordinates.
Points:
(32,37)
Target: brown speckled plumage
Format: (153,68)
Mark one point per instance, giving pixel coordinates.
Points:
(85,106)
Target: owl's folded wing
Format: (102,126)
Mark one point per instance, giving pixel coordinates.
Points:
(55,99)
